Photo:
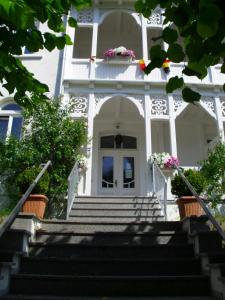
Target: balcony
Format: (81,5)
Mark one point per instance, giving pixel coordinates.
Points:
(126,71)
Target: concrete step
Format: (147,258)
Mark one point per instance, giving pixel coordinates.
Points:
(112,238)
(65,250)
(144,213)
(110,267)
(45,297)
(122,286)
(105,199)
(115,219)
(117,205)
(67,226)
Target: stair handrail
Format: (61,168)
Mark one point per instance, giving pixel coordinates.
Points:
(10,219)
(157,173)
(73,181)
(201,202)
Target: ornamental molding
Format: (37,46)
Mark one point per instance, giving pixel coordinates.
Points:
(80,103)
(222,105)
(155,18)
(159,105)
(209,104)
(85,16)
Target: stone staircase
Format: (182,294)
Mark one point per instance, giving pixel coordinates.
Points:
(111,248)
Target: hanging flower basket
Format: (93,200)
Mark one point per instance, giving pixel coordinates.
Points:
(164,160)
(120,52)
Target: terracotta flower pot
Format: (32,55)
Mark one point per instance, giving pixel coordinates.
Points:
(35,204)
(189,206)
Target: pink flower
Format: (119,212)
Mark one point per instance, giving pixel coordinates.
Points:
(110,53)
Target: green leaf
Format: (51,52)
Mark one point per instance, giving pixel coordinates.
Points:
(190,96)
(175,53)
(174,83)
(170,35)
(72,22)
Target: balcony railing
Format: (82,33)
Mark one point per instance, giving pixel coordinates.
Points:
(120,70)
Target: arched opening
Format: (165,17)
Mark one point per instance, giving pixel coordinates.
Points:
(195,129)
(118,145)
(119,29)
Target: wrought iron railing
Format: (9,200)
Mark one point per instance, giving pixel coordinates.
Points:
(160,187)
(8,221)
(73,181)
(202,203)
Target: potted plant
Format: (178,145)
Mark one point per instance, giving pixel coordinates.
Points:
(36,202)
(187,203)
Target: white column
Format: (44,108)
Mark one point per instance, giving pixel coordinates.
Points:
(91,112)
(94,44)
(144,38)
(219,118)
(148,142)
(172,126)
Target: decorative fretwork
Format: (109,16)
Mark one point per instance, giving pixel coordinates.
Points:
(99,97)
(159,105)
(85,16)
(222,103)
(80,103)
(178,102)
(155,18)
(209,103)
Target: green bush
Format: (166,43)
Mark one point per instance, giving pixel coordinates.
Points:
(25,179)
(197,180)
(213,168)
(49,133)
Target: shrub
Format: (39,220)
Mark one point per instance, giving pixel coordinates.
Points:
(213,168)
(196,178)
(25,179)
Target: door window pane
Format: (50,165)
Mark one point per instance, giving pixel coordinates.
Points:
(12,106)
(128,172)
(107,172)
(107,141)
(3,128)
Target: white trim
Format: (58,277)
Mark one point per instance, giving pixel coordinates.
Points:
(134,15)
(112,97)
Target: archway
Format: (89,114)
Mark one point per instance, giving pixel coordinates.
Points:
(115,31)
(118,145)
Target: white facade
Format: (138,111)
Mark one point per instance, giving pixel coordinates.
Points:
(121,102)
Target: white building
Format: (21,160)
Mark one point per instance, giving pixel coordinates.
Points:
(129,114)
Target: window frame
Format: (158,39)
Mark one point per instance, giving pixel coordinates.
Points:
(9,114)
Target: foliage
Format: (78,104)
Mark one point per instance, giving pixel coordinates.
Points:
(18,29)
(213,169)
(201,26)
(26,178)
(49,134)
(196,179)
(164,160)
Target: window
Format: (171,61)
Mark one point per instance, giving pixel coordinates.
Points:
(11,121)
(82,42)
(118,142)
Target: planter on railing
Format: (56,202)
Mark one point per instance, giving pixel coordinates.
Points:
(188,206)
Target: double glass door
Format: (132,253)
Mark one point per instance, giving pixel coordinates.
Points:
(118,173)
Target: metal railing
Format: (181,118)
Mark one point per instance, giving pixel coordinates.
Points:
(8,222)
(73,181)
(160,187)
(203,205)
